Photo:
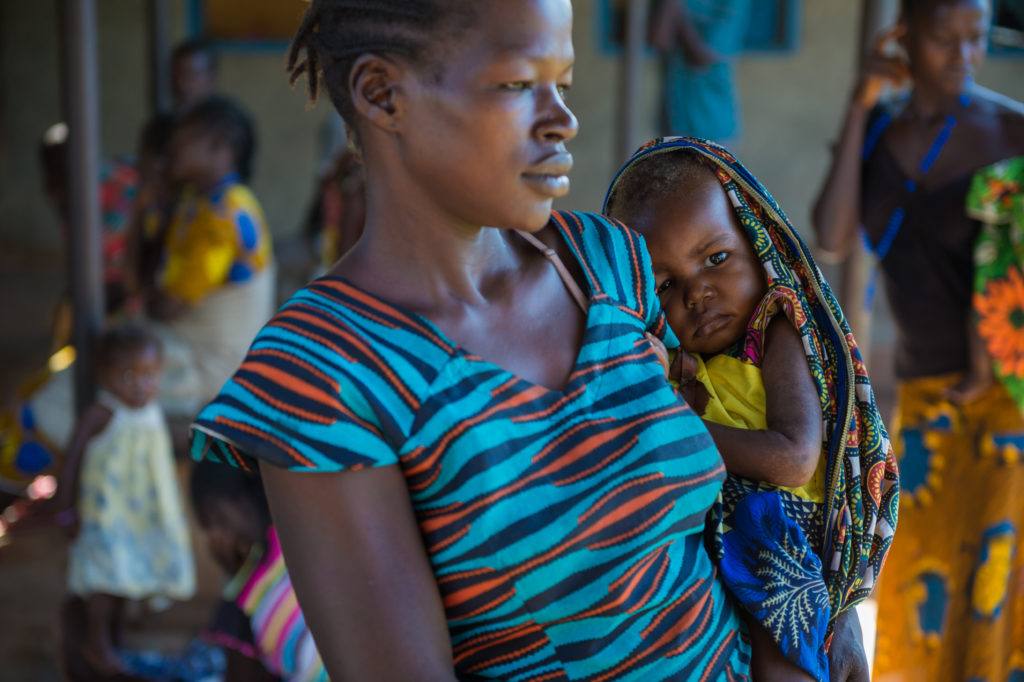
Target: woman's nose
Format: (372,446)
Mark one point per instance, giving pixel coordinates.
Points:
(557,123)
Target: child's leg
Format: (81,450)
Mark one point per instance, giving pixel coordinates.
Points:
(99,648)
(767,663)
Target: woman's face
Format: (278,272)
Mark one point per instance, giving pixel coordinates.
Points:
(947,44)
(486,139)
(708,279)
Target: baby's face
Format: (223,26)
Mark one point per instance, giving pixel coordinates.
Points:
(135,379)
(707,276)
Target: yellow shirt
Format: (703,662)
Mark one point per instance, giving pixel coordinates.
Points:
(215,239)
(736,398)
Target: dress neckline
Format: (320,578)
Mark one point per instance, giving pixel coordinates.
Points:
(584,299)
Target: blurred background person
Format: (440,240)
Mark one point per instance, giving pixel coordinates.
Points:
(901,173)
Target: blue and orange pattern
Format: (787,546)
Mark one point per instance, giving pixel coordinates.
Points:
(565,527)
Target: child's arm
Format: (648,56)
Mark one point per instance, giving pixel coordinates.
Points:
(787,452)
(92,421)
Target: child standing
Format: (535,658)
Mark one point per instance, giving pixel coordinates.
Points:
(119,496)
(777,375)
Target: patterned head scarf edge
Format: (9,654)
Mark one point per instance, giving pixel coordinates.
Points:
(858,528)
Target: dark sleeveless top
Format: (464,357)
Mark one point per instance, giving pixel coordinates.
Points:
(929,269)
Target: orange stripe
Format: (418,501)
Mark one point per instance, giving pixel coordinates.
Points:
(305,333)
(290,382)
(280,404)
(605,461)
(578,251)
(296,361)
(636,530)
(387,309)
(718,654)
(515,633)
(271,439)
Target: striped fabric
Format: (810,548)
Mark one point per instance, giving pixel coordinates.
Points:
(265,595)
(565,527)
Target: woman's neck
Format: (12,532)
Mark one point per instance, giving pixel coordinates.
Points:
(414,253)
(928,105)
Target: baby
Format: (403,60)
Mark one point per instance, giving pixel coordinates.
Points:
(785,397)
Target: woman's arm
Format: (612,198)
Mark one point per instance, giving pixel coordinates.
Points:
(358,565)
(836,213)
(787,452)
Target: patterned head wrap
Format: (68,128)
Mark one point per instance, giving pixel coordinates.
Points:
(858,518)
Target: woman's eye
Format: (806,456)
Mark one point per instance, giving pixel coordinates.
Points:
(517,86)
(563,90)
(663,287)
(716,258)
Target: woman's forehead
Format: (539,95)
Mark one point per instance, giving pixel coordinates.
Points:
(535,30)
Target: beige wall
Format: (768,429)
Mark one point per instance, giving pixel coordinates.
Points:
(791,108)
(792,104)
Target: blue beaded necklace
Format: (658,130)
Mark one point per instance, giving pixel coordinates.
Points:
(895,222)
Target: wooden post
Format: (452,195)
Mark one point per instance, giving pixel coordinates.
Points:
(81,97)
(159,56)
(631,75)
(856,271)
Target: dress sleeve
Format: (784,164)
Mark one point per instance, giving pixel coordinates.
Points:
(301,399)
(618,263)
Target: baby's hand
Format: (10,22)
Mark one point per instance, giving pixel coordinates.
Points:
(684,371)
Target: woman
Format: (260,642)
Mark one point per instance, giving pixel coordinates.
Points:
(532,508)
(902,171)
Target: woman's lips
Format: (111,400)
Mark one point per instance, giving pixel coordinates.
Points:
(553,186)
(550,176)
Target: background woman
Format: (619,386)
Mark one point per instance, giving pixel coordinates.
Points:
(901,173)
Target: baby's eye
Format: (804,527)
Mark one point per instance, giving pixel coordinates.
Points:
(663,287)
(716,259)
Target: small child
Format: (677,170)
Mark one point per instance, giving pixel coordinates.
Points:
(771,365)
(120,498)
(259,624)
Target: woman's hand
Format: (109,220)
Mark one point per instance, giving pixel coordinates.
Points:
(884,67)
(847,661)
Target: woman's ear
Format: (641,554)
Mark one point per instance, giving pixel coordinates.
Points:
(375,84)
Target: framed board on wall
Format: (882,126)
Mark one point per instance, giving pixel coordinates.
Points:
(253,24)
(774,25)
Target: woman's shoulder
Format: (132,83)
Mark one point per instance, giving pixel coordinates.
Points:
(1004,116)
(348,331)
(602,241)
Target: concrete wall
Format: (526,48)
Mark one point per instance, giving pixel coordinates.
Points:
(791,102)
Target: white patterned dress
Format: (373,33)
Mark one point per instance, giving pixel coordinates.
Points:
(134,539)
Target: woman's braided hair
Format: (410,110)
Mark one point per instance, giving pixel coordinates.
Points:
(335,33)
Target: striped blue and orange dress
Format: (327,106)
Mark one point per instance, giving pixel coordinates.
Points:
(565,527)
